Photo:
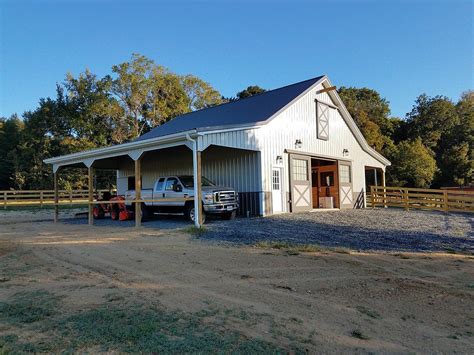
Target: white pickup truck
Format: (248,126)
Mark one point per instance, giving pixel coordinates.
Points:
(216,200)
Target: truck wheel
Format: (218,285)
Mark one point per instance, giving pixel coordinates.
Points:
(114,212)
(145,213)
(229,215)
(189,213)
(98,212)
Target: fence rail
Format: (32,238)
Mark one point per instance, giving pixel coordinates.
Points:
(431,199)
(17,198)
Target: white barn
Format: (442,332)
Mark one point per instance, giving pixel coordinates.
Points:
(291,149)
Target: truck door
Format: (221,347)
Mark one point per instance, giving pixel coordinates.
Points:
(173,189)
(158,192)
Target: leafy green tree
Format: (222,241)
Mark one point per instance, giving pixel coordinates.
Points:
(431,119)
(371,113)
(250,91)
(199,93)
(92,112)
(151,95)
(412,165)
(10,137)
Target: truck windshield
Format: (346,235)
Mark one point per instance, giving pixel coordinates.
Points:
(188,181)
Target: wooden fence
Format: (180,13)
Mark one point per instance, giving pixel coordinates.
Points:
(430,199)
(16,198)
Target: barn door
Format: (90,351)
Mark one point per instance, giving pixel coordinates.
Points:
(300,183)
(322,120)
(345,185)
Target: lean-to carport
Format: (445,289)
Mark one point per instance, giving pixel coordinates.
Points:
(111,157)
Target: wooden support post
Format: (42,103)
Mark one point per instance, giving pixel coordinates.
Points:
(199,187)
(384,190)
(138,193)
(56,197)
(91,194)
(5,200)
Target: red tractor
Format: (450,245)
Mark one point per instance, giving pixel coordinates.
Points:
(115,205)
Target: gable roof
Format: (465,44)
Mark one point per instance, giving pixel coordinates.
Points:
(252,110)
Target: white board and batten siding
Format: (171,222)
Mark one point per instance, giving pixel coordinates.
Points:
(298,122)
(238,169)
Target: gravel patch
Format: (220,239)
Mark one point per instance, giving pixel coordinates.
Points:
(361,229)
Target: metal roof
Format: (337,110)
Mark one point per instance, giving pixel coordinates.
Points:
(248,111)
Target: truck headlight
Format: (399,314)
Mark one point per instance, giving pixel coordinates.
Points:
(208,198)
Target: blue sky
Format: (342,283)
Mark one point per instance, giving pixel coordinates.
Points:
(399,48)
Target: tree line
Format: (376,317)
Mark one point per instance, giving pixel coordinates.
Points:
(431,146)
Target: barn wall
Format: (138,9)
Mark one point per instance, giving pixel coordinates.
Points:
(239,169)
(299,122)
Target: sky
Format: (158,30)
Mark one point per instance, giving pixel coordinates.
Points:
(399,48)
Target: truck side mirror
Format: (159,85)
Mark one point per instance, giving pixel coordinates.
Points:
(177,188)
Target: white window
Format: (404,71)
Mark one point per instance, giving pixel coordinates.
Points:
(300,170)
(345,173)
(276,180)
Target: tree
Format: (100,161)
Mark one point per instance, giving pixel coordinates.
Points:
(250,91)
(371,113)
(10,137)
(431,119)
(151,95)
(92,111)
(199,93)
(412,164)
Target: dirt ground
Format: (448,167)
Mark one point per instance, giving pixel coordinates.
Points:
(52,276)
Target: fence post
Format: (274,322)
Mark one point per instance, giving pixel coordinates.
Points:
(41,198)
(407,201)
(4,200)
(445,201)
(372,196)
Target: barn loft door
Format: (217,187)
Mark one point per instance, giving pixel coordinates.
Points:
(322,113)
(300,182)
(345,185)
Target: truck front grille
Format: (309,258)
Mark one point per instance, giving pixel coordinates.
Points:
(226,196)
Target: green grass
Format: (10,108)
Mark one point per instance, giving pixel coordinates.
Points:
(356,333)
(195,231)
(121,327)
(291,249)
(29,307)
(369,312)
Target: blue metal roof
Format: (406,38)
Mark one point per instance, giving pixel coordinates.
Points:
(251,110)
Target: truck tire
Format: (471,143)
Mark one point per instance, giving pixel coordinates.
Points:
(189,213)
(114,212)
(229,215)
(145,213)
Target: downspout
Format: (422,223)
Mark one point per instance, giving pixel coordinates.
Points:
(195,179)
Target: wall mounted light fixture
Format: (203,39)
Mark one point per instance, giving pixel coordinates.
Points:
(345,152)
(279,159)
(298,144)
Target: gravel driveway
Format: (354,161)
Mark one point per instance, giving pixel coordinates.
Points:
(363,229)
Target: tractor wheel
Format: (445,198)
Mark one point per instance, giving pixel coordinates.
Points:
(98,212)
(114,213)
